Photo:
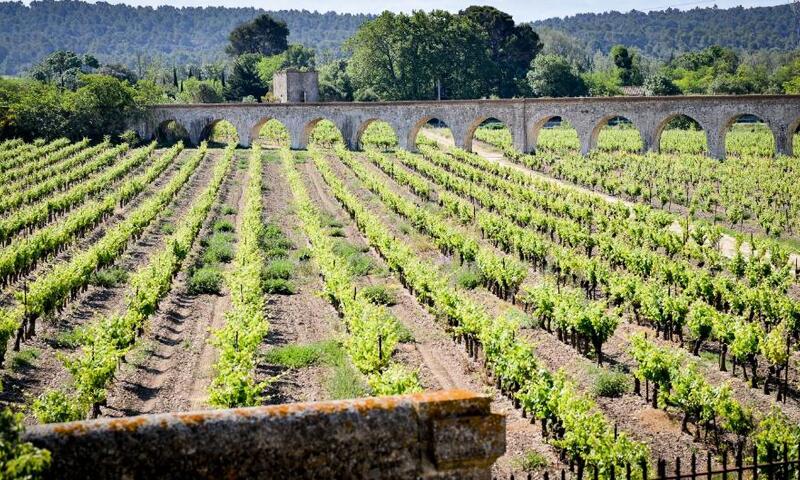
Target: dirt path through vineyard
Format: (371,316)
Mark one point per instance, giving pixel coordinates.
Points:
(299,319)
(171,364)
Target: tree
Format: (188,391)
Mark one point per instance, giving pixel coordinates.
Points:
(296,56)
(602,83)
(263,35)
(267,67)
(102,105)
(40,111)
(511,48)
(334,82)
(419,56)
(201,91)
(626,63)
(244,80)
(61,66)
(559,43)
(660,85)
(118,71)
(552,76)
(299,57)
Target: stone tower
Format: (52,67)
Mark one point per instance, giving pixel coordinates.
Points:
(295,86)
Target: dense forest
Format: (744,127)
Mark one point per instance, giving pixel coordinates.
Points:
(136,35)
(664,34)
(121,33)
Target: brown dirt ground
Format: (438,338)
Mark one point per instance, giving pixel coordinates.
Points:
(173,363)
(302,318)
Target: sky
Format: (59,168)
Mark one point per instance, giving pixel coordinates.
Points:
(522,10)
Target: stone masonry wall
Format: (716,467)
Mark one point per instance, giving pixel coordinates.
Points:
(439,435)
(523,117)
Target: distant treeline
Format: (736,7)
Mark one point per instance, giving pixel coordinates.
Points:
(136,35)
(664,34)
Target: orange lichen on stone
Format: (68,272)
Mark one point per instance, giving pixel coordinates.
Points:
(126,424)
(71,428)
(194,418)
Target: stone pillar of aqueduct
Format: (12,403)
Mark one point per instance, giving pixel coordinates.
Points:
(523,117)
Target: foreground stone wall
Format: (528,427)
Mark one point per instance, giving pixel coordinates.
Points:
(441,435)
(523,117)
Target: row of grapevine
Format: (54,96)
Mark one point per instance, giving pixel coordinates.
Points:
(45,210)
(550,397)
(55,163)
(373,332)
(13,147)
(53,290)
(61,181)
(245,323)
(650,298)
(747,185)
(501,274)
(762,277)
(677,383)
(38,150)
(105,342)
(570,314)
(644,227)
(24,254)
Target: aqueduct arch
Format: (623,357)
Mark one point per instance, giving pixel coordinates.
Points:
(662,127)
(523,117)
(208,130)
(170,131)
(362,128)
(470,134)
(605,121)
(417,126)
(539,124)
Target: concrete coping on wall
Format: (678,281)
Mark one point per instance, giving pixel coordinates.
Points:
(447,434)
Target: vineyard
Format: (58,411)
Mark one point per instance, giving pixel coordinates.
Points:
(620,308)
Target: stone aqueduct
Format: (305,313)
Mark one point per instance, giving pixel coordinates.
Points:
(523,117)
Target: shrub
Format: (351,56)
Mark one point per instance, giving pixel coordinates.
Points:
(611,384)
(206,280)
(219,249)
(110,277)
(359,263)
(379,295)
(299,356)
(223,226)
(404,334)
(228,210)
(530,461)
(278,286)
(275,243)
(278,269)
(468,279)
(345,382)
(24,358)
(167,228)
